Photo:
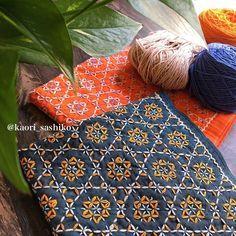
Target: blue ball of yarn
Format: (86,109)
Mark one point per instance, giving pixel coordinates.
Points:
(213,77)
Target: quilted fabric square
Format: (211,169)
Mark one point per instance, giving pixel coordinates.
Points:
(113,81)
(142,169)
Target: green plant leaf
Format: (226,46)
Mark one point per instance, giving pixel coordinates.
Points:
(73,8)
(48,32)
(186,9)
(11,38)
(9,162)
(101,3)
(102,31)
(169,19)
(27,50)
(33,56)
(98,30)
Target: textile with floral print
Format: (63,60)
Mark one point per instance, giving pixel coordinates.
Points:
(142,169)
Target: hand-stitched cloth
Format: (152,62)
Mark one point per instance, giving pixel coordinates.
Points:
(142,169)
(113,81)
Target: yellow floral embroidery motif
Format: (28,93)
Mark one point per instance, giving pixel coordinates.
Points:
(146,209)
(192,209)
(72,169)
(51,139)
(96,209)
(204,173)
(164,169)
(138,137)
(178,139)
(119,169)
(97,133)
(49,206)
(152,111)
(230,208)
(121,110)
(28,165)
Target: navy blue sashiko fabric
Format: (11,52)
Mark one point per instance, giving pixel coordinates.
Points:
(142,169)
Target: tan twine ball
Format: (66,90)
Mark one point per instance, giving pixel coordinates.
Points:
(163,59)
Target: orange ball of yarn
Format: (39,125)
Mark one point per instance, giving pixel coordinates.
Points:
(219,25)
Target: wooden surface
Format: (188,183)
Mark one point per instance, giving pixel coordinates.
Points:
(30,217)
(8,218)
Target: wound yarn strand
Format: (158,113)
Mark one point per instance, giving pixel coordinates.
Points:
(213,77)
(163,59)
(219,25)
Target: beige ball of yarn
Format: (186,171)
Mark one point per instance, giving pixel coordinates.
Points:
(163,59)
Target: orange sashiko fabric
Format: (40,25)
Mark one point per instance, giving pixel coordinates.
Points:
(108,82)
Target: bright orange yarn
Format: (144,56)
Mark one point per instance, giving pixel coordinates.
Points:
(219,25)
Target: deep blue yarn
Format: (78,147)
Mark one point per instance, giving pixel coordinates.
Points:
(213,77)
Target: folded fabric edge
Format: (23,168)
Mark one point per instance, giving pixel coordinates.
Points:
(219,122)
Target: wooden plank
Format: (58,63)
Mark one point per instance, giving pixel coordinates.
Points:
(9,224)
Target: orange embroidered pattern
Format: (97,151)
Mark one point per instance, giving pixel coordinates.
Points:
(110,82)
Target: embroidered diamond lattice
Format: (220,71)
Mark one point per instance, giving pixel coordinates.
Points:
(142,169)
